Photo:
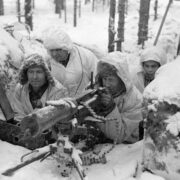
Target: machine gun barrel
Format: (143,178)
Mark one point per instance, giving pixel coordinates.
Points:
(66,110)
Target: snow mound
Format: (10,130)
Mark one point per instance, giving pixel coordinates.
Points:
(11,48)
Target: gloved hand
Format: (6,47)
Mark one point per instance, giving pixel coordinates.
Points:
(107,101)
(106,98)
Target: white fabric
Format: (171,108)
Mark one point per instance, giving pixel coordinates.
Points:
(128,106)
(55,38)
(76,75)
(154,53)
(21,103)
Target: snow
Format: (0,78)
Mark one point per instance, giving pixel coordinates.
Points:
(92,29)
(122,161)
(173,124)
(12,46)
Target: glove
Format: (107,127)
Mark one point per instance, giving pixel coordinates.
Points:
(107,102)
(106,99)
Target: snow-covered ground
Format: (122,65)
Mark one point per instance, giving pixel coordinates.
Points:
(92,28)
(121,165)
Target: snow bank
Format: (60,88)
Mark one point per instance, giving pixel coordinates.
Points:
(12,48)
(121,165)
(162,103)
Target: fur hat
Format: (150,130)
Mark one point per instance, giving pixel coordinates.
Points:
(106,69)
(31,60)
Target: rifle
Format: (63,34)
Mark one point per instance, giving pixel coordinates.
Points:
(11,131)
(44,118)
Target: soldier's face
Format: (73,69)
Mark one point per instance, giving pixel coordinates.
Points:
(150,67)
(59,55)
(112,83)
(36,77)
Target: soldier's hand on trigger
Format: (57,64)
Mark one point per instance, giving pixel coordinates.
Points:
(107,99)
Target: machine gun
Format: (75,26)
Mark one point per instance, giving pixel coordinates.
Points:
(62,111)
(45,118)
(38,122)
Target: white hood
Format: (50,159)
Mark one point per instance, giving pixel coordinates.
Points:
(55,38)
(154,53)
(118,60)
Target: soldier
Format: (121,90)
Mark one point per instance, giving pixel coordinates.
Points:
(71,64)
(151,59)
(36,86)
(122,102)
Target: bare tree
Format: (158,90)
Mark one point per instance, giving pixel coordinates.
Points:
(1,7)
(75,13)
(126,6)
(155,9)
(79,8)
(93,5)
(111,30)
(19,10)
(65,12)
(87,1)
(33,4)
(57,6)
(103,2)
(60,8)
(143,21)
(28,13)
(120,34)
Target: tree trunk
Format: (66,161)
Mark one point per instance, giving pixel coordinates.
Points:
(178,47)
(57,6)
(87,1)
(104,2)
(1,7)
(79,8)
(65,12)
(62,4)
(155,9)
(28,13)
(93,5)
(60,8)
(126,7)
(33,4)
(143,21)
(19,10)
(111,30)
(75,13)
(120,35)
